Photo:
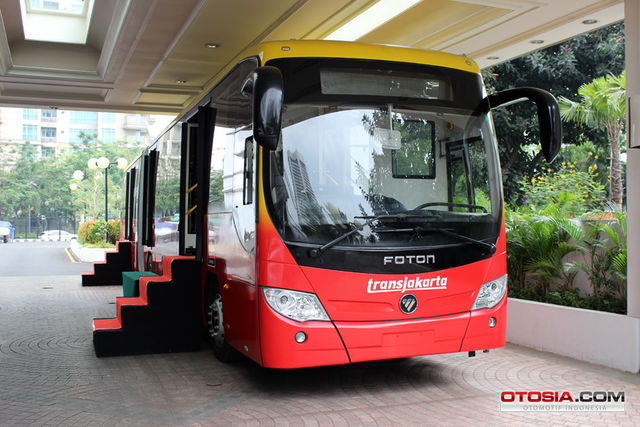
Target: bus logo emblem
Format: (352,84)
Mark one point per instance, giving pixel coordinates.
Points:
(408,304)
(409,259)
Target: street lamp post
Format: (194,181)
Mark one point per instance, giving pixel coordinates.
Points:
(104,163)
(77,175)
(29,212)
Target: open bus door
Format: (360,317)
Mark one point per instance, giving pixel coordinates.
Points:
(146,228)
(197,137)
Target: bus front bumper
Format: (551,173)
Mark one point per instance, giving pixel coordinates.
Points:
(335,343)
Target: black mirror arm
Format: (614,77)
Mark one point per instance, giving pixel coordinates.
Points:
(548,114)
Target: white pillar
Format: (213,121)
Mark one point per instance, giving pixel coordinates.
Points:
(632,32)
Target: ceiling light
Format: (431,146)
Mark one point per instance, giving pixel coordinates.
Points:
(378,14)
(211,45)
(181,82)
(536,41)
(590,21)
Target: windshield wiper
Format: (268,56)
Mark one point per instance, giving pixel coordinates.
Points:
(489,246)
(395,216)
(316,252)
(420,229)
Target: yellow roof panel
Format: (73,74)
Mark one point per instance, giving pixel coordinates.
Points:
(335,49)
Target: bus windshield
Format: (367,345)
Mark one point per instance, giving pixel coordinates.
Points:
(385,174)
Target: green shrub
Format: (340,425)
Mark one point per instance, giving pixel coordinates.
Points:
(93,232)
(101,245)
(536,246)
(97,232)
(83,231)
(538,241)
(606,247)
(114,230)
(572,190)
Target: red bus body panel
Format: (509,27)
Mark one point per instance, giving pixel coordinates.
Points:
(240,316)
(388,340)
(479,335)
(280,350)
(369,325)
(363,297)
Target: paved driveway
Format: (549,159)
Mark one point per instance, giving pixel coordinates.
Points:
(50,375)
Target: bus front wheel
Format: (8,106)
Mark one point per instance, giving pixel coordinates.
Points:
(215,327)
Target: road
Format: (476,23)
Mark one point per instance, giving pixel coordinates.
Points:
(49,374)
(38,259)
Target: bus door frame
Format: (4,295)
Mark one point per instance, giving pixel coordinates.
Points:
(196,146)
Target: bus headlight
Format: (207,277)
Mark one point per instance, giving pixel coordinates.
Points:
(491,293)
(298,306)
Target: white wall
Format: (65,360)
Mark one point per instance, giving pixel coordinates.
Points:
(593,336)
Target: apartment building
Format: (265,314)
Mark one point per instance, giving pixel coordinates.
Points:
(51,131)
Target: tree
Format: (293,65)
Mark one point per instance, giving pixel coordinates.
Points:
(602,104)
(41,186)
(561,69)
(89,198)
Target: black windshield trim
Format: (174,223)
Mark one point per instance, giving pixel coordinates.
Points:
(305,87)
(372,261)
(347,248)
(364,258)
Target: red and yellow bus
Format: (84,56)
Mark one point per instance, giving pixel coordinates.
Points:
(344,200)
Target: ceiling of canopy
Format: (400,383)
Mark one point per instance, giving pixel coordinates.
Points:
(156,55)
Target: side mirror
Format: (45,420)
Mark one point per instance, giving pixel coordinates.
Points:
(548,115)
(268,100)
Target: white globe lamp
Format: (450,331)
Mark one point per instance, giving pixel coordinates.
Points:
(122,163)
(103,163)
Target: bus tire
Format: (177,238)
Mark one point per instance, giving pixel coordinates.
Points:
(215,326)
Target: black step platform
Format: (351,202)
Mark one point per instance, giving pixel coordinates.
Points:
(166,317)
(109,272)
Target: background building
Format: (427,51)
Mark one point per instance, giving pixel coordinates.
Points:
(52,131)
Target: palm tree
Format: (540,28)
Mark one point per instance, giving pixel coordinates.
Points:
(602,103)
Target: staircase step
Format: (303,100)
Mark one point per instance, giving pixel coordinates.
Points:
(106,324)
(166,317)
(109,271)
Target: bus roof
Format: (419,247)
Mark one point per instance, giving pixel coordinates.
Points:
(336,49)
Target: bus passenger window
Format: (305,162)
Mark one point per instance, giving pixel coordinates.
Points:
(247,188)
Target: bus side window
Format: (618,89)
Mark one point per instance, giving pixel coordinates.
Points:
(459,182)
(247,187)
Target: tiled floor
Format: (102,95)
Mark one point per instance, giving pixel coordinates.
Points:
(49,375)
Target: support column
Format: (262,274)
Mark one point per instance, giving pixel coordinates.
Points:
(632,52)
